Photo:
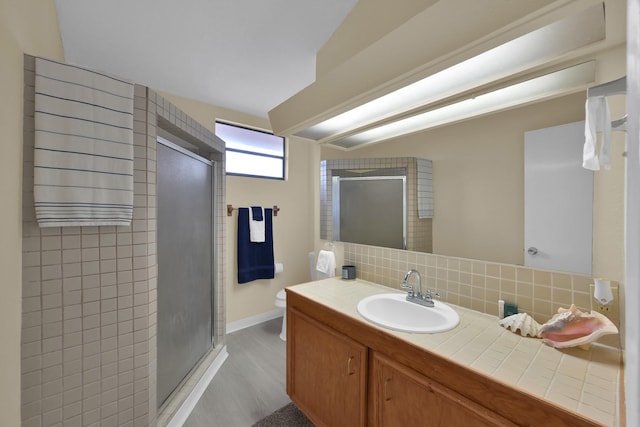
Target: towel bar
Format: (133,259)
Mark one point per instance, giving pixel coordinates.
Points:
(230,209)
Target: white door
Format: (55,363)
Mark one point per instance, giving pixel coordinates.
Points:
(558,200)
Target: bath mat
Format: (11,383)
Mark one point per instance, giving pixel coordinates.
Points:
(287,416)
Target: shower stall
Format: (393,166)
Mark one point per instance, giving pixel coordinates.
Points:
(185,230)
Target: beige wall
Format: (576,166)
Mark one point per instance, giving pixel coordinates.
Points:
(26,26)
(479,185)
(372,20)
(292,228)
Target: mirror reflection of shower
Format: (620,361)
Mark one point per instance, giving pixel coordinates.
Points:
(385,202)
(370,210)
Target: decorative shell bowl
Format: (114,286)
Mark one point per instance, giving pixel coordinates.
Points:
(573,328)
(521,322)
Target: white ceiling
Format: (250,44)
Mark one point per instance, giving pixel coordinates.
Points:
(245,55)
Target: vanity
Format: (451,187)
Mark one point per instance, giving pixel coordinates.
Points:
(345,371)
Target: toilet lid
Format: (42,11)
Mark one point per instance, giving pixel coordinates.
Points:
(281,295)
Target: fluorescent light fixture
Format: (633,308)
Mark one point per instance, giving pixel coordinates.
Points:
(520,54)
(550,85)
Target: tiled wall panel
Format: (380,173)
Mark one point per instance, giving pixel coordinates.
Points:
(474,284)
(89,293)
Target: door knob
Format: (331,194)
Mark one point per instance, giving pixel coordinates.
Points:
(532,251)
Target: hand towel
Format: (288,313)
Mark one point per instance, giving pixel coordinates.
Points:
(83,157)
(326,263)
(597,118)
(255,260)
(256,224)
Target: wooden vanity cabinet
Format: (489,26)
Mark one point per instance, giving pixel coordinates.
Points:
(381,380)
(399,397)
(326,373)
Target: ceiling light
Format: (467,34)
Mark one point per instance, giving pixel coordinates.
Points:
(568,80)
(525,52)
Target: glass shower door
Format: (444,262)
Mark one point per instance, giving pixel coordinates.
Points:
(185,263)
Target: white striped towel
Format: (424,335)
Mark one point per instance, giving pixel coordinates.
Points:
(83,160)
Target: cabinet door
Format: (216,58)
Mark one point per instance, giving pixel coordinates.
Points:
(402,397)
(326,373)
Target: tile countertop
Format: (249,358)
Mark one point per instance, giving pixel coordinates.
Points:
(583,381)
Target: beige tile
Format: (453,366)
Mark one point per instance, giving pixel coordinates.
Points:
(479,268)
(542,292)
(464,301)
(507,297)
(493,270)
(542,277)
(465,278)
(478,304)
(507,272)
(543,308)
(51,272)
(108,252)
(453,276)
(52,418)
(561,297)
(453,264)
(478,280)
(524,275)
(582,300)
(478,293)
(525,304)
(507,286)
(581,283)
(71,242)
(561,280)
(491,306)
(562,399)
(597,414)
(464,290)
(51,243)
(72,270)
(524,290)
(492,283)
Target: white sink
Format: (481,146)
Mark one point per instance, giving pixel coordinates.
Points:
(393,311)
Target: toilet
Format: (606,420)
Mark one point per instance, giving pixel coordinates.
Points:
(281,296)
(281,301)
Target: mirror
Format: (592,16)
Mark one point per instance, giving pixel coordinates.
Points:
(478,182)
(384,202)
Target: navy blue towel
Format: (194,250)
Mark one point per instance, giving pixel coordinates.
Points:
(257,213)
(255,260)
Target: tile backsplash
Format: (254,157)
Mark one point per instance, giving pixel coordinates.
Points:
(474,284)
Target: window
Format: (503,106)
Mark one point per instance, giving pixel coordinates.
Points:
(252,152)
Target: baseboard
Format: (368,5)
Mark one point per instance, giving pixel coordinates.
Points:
(181,415)
(253,320)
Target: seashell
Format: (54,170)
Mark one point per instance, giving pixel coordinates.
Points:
(573,328)
(522,322)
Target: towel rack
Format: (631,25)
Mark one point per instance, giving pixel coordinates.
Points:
(230,210)
(614,87)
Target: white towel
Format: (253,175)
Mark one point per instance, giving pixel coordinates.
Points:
(326,263)
(597,119)
(83,158)
(256,228)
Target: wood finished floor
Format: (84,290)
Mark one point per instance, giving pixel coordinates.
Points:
(251,383)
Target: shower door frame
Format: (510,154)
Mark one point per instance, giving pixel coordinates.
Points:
(336,206)
(214,251)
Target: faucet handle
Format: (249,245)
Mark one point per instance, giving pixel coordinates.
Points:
(429,294)
(405,285)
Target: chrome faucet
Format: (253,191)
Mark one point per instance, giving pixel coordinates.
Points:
(416,296)
(406,285)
